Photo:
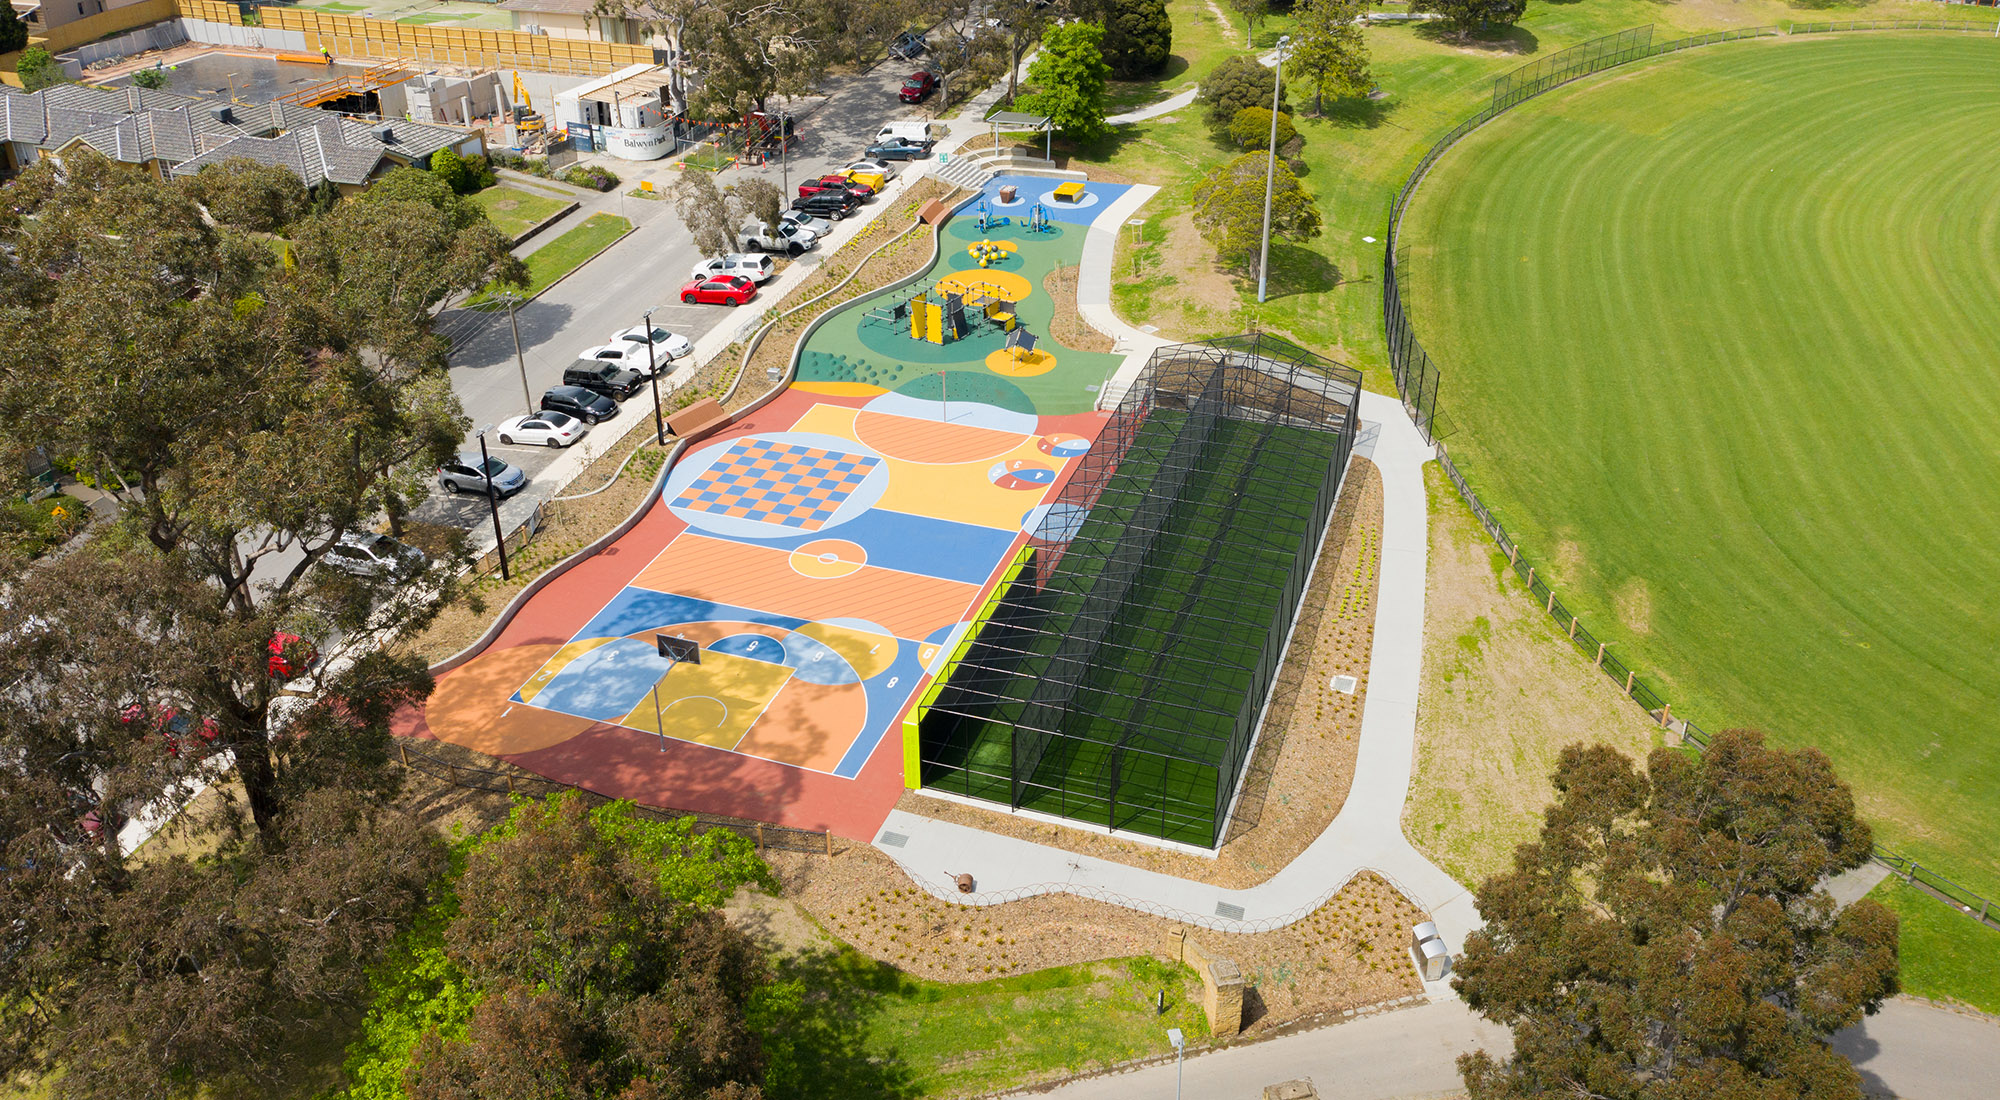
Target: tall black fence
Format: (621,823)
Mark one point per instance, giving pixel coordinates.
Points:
(1418,376)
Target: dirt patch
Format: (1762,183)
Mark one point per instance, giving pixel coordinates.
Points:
(1299,775)
(1503,692)
(1175,285)
(1068,327)
(1347,954)
(1634,604)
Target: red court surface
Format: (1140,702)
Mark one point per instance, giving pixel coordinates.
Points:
(824,558)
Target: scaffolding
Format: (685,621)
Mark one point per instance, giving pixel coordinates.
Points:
(1121,678)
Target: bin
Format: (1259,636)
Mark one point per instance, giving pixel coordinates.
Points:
(1433,959)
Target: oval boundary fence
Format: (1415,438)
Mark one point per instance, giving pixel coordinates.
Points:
(1418,376)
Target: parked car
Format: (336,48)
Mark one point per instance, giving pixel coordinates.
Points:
(367,554)
(609,379)
(289,656)
(589,407)
(666,344)
(789,238)
(918,86)
(913,130)
(801,221)
(466,473)
(176,726)
(874,173)
(908,45)
(547,428)
(628,354)
(752,266)
(727,290)
(898,148)
(827,204)
(861,192)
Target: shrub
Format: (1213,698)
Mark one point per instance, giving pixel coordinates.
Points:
(150,78)
(594,176)
(38,70)
(1252,127)
(1239,82)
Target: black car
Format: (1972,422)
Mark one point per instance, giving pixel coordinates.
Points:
(898,149)
(827,204)
(589,407)
(908,46)
(598,376)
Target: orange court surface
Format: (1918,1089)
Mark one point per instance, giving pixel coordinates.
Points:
(824,555)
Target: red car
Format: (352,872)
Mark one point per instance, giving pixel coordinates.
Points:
(725,290)
(290,656)
(860,191)
(176,727)
(917,86)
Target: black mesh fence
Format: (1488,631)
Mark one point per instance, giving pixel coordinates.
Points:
(1418,377)
(1121,679)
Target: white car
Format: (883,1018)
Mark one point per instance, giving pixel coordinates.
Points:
(666,344)
(751,265)
(806,223)
(631,355)
(547,428)
(366,554)
(884,168)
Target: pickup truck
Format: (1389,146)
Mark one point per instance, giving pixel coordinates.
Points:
(791,239)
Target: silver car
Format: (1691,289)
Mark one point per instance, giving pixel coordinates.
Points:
(464,474)
(367,554)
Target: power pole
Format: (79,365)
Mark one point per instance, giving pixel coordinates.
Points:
(514,305)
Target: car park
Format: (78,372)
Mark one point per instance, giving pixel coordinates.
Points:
(790,237)
(368,554)
(598,376)
(468,473)
(548,428)
(752,266)
(827,204)
(918,86)
(666,343)
(897,148)
(908,45)
(585,405)
(728,290)
(628,354)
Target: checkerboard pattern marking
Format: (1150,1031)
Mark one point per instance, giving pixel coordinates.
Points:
(781,483)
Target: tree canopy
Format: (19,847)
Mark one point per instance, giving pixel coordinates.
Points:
(1665,936)
(38,70)
(1138,35)
(1068,75)
(1329,54)
(1229,209)
(240,192)
(1466,16)
(1252,126)
(1239,82)
(13,32)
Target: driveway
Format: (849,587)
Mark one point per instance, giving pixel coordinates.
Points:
(644,270)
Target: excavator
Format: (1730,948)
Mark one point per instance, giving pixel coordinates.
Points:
(526,121)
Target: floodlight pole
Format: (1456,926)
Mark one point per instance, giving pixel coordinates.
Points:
(493,501)
(1271,165)
(653,372)
(1180,1054)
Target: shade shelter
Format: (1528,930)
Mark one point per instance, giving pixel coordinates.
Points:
(1015,122)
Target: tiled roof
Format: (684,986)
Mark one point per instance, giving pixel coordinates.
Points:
(306,152)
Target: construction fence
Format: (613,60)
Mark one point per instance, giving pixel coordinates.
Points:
(1418,376)
(502,781)
(376,39)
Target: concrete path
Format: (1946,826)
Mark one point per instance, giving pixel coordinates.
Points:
(1910,1049)
(1172,103)
(1366,835)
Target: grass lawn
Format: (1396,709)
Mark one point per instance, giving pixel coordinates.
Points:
(1945,955)
(565,254)
(888,1035)
(515,210)
(1734,385)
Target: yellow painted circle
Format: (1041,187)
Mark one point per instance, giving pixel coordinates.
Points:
(1027,366)
(828,559)
(1010,286)
(869,653)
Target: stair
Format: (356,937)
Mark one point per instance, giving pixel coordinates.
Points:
(969,172)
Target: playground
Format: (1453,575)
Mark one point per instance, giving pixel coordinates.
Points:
(822,553)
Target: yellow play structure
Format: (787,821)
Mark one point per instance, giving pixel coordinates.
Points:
(939,316)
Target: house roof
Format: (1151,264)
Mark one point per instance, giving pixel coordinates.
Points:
(310,153)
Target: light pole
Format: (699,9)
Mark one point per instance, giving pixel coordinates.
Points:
(513,304)
(1180,1055)
(653,370)
(493,500)
(1271,166)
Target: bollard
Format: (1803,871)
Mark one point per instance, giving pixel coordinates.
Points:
(1531,576)
(1666,714)
(760,836)
(404,752)
(1572,628)
(1550,607)
(1628,681)
(1600,655)
(510,783)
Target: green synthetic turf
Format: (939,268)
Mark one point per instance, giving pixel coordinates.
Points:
(1721,338)
(1174,677)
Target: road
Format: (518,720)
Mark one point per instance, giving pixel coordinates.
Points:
(1910,1049)
(643,271)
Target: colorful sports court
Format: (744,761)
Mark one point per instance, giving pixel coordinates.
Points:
(823,553)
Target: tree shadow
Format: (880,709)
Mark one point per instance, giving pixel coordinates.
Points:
(1359,112)
(816,1034)
(1296,269)
(1499,40)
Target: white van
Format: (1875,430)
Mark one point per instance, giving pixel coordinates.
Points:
(916,131)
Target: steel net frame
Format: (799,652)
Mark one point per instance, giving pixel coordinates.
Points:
(1120,679)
